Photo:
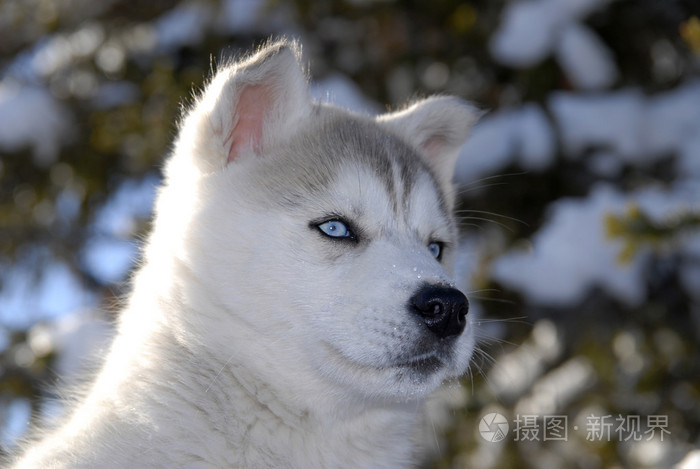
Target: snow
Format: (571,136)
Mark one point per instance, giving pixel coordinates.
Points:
(570,254)
(17,414)
(672,118)
(605,164)
(612,129)
(689,157)
(67,205)
(663,205)
(552,393)
(633,127)
(534,137)
(612,121)
(109,259)
(31,117)
(187,23)
(515,372)
(531,30)
(526,34)
(24,302)
(108,255)
(184,25)
(76,338)
(567,10)
(488,148)
(59,291)
(586,60)
(524,136)
(241,16)
(111,252)
(133,200)
(115,93)
(61,51)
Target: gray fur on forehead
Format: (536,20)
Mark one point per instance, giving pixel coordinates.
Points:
(335,138)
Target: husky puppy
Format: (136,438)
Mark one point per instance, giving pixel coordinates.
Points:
(295,303)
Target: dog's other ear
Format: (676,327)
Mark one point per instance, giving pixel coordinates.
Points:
(437,127)
(248,105)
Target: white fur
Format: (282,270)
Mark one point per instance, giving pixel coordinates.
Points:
(249,339)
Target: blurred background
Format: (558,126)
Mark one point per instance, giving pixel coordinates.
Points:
(579,197)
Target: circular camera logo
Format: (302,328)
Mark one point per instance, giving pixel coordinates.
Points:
(493,427)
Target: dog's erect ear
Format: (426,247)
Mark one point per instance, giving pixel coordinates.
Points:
(437,127)
(248,105)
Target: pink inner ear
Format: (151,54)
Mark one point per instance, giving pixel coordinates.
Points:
(434,146)
(252,103)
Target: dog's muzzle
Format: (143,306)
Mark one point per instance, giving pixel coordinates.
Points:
(442,309)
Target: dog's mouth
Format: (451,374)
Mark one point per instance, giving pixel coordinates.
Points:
(406,376)
(425,363)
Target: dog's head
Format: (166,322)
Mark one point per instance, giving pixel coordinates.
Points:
(323,240)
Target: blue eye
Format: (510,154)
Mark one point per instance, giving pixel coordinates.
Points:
(335,229)
(435,249)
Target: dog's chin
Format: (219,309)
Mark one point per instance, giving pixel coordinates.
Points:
(409,379)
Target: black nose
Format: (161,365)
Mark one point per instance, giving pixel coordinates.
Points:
(442,309)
